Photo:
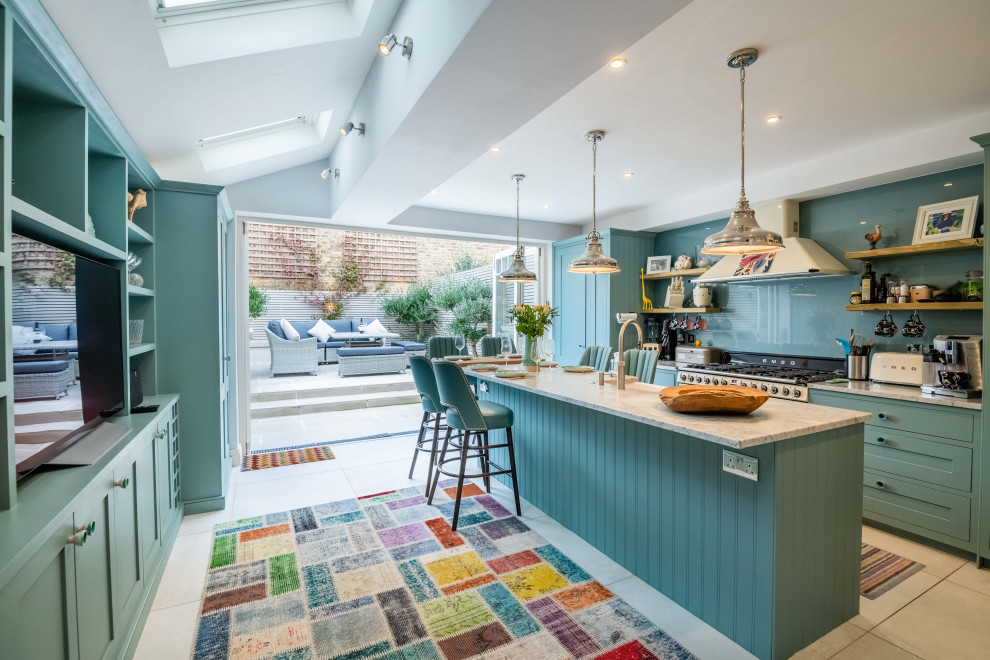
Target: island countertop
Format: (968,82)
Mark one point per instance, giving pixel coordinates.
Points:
(775,421)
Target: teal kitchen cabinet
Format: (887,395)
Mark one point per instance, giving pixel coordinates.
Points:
(920,464)
(128,556)
(665,377)
(983,466)
(588,303)
(96,584)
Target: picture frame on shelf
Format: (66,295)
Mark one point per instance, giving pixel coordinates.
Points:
(946,221)
(657,265)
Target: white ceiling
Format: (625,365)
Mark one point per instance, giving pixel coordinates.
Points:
(166,110)
(842,74)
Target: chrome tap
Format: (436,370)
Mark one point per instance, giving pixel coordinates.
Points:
(622,359)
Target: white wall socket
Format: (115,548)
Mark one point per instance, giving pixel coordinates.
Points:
(741,465)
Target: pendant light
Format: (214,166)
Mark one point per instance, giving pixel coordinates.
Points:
(742,235)
(594,259)
(517,271)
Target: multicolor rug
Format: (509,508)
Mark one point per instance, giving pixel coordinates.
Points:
(880,571)
(384,577)
(283,457)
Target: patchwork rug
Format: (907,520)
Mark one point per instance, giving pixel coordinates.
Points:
(384,577)
(272,459)
(880,571)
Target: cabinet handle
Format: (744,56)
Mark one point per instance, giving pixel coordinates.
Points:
(226,358)
(122,483)
(79,538)
(881,484)
(882,415)
(88,529)
(160,434)
(881,441)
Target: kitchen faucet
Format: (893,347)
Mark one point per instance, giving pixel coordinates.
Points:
(622,359)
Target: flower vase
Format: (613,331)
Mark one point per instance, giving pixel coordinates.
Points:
(528,345)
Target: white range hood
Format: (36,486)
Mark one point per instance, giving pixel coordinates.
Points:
(801,257)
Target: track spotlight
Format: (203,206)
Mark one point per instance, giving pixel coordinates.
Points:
(327,172)
(351,126)
(386,45)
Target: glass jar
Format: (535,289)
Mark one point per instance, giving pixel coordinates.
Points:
(973,289)
(856,298)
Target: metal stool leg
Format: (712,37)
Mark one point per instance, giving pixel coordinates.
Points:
(433,453)
(436,474)
(512,466)
(419,441)
(484,462)
(465,448)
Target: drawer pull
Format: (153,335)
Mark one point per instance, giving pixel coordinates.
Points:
(122,483)
(881,484)
(881,441)
(89,528)
(79,538)
(160,434)
(882,415)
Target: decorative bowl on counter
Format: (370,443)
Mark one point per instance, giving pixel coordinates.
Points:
(731,399)
(511,373)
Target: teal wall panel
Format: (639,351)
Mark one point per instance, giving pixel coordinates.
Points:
(658,503)
(803,317)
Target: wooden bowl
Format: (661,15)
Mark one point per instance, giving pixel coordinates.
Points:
(731,399)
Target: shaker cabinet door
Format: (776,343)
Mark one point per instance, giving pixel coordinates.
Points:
(128,571)
(94,580)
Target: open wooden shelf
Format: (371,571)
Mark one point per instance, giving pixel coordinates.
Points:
(137,349)
(676,273)
(941,246)
(136,235)
(681,310)
(35,223)
(139,291)
(915,307)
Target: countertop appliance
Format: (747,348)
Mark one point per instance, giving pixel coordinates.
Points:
(697,355)
(780,376)
(896,368)
(960,353)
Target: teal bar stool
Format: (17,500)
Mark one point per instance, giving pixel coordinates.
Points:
(596,357)
(474,419)
(641,364)
(492,346)
(440,347)
(433,412)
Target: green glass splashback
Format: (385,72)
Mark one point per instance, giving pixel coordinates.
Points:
(804,316)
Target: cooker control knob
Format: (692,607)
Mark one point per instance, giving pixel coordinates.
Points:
(796,393)
(774,390)
(753,385)
(707,380)
(786,391)
(725,382)
(690,379)
(763,387)
(682,377)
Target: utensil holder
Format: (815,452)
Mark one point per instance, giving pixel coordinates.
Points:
(135,332)
(858,367)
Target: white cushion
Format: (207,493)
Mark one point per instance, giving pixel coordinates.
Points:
(290,333)
(321,331)
(376,327)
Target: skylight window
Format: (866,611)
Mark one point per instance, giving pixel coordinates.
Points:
(265,141)
(253,131)
(212,4)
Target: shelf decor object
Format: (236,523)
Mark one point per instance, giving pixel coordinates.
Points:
(135,331)
(743,235)
(945,221)
(594,260)
(940,246)
(136,200)
(659,266)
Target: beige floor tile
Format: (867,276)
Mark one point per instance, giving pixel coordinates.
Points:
(936,562)
(830,644)
(949,621)
(873,612)
(168,633)
(185,572)
(871,647)
(974,578)
(285,494)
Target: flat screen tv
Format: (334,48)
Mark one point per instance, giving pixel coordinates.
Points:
(67,349)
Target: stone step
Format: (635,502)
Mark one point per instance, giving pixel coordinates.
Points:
(307,405)
(300,392)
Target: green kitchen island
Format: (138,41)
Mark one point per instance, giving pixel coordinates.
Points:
(772,564)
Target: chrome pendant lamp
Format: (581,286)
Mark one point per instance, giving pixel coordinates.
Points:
(517,271)
(742,235)
(594,259)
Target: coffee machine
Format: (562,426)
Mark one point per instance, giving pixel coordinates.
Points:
(953,367)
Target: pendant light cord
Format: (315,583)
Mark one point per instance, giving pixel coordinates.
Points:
(517,214)
(594,187)
(742,132)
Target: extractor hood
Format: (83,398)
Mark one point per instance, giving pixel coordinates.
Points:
(801,257)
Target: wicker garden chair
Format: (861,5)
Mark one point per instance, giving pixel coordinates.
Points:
(292,357)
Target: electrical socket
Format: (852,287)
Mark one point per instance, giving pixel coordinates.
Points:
(483,386)
(741,465)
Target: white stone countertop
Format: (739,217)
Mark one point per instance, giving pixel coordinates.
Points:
(900,392)
(776,420)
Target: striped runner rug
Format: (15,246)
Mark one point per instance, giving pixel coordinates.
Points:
(880,571)
(284,457)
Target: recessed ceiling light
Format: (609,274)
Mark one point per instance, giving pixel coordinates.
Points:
(773,119)
(495,147)
(627,174)
(863,222)
(546,206)
(617,63)
(434,191)
(947,185)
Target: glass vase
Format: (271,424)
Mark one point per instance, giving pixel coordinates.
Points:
(528,345)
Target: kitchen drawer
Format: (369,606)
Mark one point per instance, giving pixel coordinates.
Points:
(921,506)
(930,419)
(910,455)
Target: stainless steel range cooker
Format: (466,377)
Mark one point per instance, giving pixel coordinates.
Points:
(781,376)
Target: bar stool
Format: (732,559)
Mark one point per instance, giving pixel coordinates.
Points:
(596,357)
(474,419)
(433,412)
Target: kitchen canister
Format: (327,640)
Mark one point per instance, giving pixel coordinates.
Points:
(857,367)
(973,289)
(920,292)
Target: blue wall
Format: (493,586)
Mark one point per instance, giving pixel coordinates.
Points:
(804,316)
